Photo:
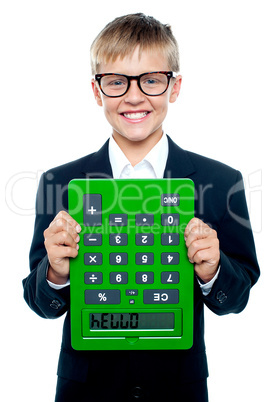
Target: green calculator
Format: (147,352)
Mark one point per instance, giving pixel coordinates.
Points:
(131,285)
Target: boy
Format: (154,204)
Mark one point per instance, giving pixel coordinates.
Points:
(219,239)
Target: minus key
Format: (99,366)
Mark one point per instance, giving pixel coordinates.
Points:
(92,239)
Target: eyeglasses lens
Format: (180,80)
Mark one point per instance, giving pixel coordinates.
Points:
(154,84)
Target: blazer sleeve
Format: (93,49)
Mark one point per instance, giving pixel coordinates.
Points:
(239,267)
(45,301)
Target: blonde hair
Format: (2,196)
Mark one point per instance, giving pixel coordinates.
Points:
(121,36)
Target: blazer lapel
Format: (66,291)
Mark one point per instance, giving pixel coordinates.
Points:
(179,164)
(98,166)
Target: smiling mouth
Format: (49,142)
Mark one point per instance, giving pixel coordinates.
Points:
(135,116)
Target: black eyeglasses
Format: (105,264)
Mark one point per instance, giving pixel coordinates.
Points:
(151,84)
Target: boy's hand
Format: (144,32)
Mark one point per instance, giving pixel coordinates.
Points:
(61,243)
(203,248)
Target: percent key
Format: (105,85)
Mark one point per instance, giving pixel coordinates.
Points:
(96,296)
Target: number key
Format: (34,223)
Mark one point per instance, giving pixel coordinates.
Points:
(170,219)
(118,277)
(116,239)
(144,258)
(118,258)
(169,258)
(169,277)
(170,239)
(144,277)
(142,239)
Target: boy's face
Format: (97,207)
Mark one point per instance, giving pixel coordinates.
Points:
(136,116)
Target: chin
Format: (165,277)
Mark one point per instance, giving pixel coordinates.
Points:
(139,137)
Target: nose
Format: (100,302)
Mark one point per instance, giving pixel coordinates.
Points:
(134,95)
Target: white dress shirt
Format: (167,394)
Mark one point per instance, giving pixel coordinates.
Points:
(152,166)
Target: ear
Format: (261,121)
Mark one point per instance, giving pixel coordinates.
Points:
(175,89)
(97,92)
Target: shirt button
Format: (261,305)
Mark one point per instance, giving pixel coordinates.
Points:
(137,393)
(221,296)
(55,304)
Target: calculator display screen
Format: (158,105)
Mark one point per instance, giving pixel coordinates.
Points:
(131,321)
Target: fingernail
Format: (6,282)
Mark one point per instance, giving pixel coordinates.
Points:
(77,247)
(77,239)
(78,228)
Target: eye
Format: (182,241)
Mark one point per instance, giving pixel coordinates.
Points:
(150,81)
(116,83)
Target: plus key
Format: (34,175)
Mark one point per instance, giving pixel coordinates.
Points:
(92,210)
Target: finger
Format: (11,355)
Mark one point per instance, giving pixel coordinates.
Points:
(63,239)
(60,224)
(197,233)
(196,246)
(205,256)
(200,255)
(66,217)
(204,250)
(59,253)
(202,231)
(192,223)
(197,228)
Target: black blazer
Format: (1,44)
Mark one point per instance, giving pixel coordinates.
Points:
(219,201)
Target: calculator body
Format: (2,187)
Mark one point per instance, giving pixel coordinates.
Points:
(131,285)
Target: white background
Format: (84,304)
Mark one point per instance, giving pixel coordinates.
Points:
(49,117)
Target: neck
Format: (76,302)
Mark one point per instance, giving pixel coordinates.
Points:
(135,151)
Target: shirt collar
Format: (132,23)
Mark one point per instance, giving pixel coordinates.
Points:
(117,158)
(157,157)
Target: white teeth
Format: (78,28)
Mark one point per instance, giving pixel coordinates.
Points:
(135,115)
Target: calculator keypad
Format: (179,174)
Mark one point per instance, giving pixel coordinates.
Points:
(112,296)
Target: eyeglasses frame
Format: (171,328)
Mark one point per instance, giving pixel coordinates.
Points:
(169,75)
